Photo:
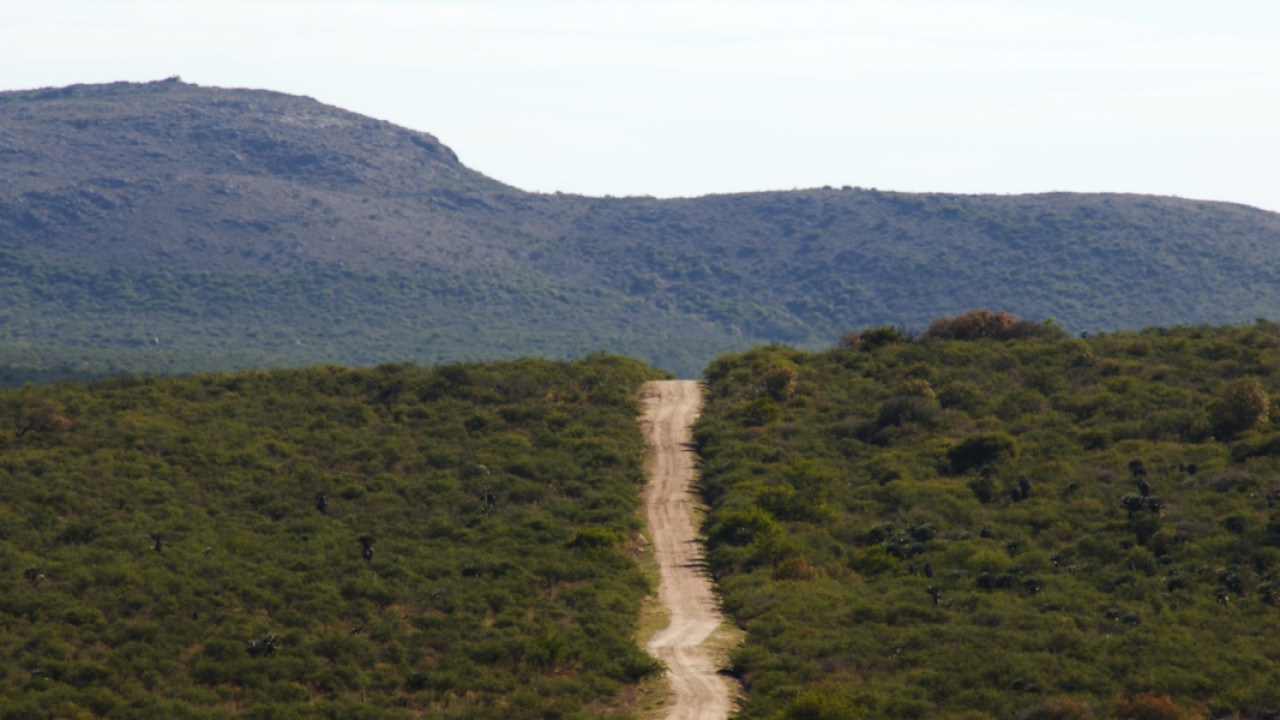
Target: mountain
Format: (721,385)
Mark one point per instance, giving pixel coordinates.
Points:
(166,227)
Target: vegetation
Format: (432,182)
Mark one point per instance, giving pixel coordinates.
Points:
(1035,527)
(71,323)
(385,543)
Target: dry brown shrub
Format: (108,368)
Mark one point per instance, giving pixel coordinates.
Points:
(1149,706)
(916,387)
(1060,709)
(979,324)
(796,568)
(42,421)
(779,382)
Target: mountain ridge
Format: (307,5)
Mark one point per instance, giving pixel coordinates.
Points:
(279,230)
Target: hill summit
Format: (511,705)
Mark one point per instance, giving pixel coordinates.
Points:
(173,173)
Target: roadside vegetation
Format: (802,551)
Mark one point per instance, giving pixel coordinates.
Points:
(384,543)
(996,520)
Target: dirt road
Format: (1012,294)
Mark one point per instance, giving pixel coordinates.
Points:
(670,407)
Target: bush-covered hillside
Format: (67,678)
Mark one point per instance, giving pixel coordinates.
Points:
(323,543)
(243,229)
(1033,527)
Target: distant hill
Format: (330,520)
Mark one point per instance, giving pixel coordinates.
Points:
(165,226)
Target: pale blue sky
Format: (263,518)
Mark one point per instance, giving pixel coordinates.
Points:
(688,98)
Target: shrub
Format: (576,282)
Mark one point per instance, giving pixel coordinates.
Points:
(742,527)
(980,451)
(40,420)
(849,340)
(874,561)
(963,395)
(779,382)
(596,537)
(795,568)
(980,324)
(1243,407)
(1148,706)
(1266,445)
(878,337)
(820,705)
(1065,709)
(902,409)
(760,411)
(988,560)
(917,387)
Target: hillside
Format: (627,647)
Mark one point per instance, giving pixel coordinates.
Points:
(386,543)
(1038,528)
(166,227)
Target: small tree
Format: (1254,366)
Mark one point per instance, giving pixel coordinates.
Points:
(1243,407)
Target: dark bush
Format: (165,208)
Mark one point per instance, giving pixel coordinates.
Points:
(980,451)
(902,409)
(878,337)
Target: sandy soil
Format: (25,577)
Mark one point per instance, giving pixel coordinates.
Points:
(670,408)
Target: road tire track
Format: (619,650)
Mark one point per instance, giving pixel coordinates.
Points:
(698,691)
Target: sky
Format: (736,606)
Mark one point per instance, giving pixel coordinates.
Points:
(671,98)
